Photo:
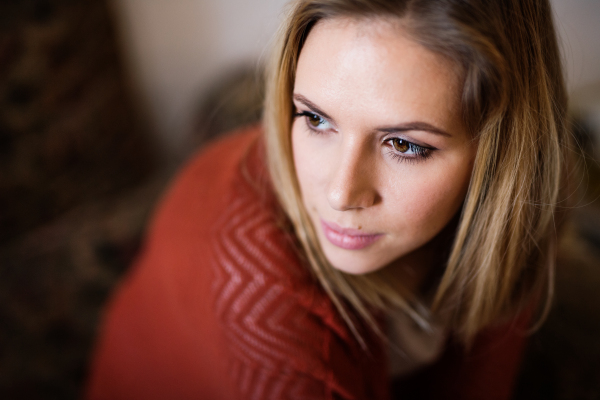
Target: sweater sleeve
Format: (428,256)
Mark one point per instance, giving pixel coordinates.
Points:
(486,371)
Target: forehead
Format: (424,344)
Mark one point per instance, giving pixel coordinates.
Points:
(375,61)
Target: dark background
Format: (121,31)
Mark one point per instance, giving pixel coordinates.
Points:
(81,169)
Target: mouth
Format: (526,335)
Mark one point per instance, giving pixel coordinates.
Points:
(347,238)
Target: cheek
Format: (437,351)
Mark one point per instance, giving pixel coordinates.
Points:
(427,202)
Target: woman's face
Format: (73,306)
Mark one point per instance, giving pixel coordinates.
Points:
(382,156)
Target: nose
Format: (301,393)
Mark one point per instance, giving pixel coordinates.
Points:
(353,181)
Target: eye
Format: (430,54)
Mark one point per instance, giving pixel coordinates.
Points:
(403,150)
(400,145)
(314,121)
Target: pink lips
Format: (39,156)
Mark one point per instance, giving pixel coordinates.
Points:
(346,238)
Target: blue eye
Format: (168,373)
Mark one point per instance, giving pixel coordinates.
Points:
(314,121)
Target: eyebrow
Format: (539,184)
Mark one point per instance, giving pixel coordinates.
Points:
(405,127)
(313,107)
(414,126)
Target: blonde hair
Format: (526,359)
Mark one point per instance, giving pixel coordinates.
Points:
(513,102)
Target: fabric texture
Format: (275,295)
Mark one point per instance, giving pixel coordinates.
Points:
(221,305)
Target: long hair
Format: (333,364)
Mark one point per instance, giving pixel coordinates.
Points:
(513,103)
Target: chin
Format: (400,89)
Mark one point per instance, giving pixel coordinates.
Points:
(351,264)
(355,270)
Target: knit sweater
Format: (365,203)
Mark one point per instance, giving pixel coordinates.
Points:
(221,305)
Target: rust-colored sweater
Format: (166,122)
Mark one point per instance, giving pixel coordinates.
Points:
(219,305)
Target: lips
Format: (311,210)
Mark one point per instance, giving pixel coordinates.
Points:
(346,238)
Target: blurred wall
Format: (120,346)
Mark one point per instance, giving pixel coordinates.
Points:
(175,48)
(578,23)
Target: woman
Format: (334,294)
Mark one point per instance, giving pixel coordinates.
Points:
(395,223)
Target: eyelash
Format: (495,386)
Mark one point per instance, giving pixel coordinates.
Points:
(421,153)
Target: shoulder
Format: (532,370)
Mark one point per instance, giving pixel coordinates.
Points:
(196,194)
(222,296)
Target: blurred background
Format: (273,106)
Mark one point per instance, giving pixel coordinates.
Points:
(102,101)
